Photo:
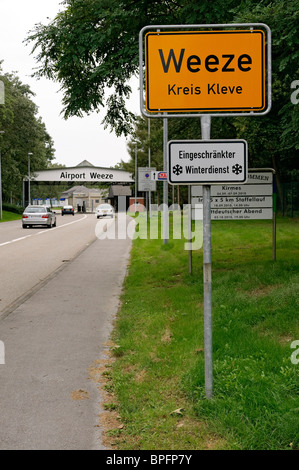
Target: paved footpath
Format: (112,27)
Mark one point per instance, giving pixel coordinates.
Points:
(47,398)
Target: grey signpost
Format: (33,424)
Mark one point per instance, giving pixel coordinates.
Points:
(207,271)
(1,132)
(149,164)
(136,177)
(29,177)
(165,220)
(190,229)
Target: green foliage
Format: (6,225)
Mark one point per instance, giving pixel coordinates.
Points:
(273,139)
(24,132)
(13,208)
(92,46)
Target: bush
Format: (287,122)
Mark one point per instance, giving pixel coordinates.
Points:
(12,208)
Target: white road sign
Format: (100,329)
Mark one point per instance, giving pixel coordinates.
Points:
(207,162)
(145,182)
(243,201)
(223,214)
(253,200)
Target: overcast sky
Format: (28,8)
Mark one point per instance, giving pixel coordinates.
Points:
(76,139)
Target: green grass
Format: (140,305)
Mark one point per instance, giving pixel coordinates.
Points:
(9,216)
(158,373)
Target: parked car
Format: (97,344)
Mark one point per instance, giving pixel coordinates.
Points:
(67,210)
(104,210)
(38,215)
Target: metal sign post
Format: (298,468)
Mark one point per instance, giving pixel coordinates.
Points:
(148,213)
(207,271)
(165,220)
(136,178)
(274,220)
(190,229)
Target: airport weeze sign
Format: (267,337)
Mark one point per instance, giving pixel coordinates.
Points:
(214,71)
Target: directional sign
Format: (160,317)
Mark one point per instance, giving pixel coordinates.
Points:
(205,71)
(145,182)
(207,162)
(159,175)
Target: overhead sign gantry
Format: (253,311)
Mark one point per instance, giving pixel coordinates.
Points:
(83,174)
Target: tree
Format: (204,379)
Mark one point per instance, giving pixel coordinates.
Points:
(275,141)
(92,47)
(24,132)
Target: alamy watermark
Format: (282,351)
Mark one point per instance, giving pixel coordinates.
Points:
(2,353)
(295,94)
(295,354)
(162,219)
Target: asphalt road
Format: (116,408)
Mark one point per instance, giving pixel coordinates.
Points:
(55,334)
(29,256)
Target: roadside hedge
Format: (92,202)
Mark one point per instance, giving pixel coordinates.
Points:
(12,208)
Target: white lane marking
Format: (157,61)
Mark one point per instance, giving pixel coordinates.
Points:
(44,231)
(69,223)
(15,240)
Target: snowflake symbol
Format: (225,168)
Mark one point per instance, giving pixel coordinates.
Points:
(177,170)
(237,169)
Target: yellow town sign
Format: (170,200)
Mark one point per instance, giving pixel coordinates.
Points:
(209,71)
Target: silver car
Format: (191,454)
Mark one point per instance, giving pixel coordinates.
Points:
(104,210)
(38,215)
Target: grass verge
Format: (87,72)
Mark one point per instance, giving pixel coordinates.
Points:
(157,378)
(9,216)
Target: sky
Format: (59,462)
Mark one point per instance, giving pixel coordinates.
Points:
(75,139)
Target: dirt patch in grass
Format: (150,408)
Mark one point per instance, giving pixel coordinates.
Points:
(140,377)
(286,339)
(263,290)
(167,336)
